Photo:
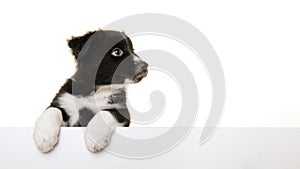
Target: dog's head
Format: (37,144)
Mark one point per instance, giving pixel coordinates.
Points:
(107,57)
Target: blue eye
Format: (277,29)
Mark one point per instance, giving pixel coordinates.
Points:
(117,52)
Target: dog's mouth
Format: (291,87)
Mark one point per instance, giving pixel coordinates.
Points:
(139,76)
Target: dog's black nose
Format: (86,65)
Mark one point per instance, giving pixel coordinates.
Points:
(143,65)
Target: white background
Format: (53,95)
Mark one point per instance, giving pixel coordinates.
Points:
(257,42)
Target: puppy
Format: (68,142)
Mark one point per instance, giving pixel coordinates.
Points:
(95,96)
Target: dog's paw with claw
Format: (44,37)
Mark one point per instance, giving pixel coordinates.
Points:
(94,145)
(45,140)
(99,131)
(97,140)
(47,129)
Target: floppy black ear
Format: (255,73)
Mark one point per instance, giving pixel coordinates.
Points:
(77,43)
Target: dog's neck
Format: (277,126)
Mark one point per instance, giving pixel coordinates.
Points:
(110,89)
(86,87)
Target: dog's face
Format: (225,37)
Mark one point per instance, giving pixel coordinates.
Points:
(107,57)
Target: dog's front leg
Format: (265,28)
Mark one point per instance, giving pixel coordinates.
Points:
(47,129)
(99,131)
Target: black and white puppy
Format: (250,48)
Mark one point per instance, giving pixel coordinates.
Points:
(95,96)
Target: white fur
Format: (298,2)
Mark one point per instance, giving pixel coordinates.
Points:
(99,131)
(47,129)
(128,81)
(72,104)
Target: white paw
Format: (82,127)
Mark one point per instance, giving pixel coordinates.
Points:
(94,145)
(45,140)
(47,130)
(97,138)
(99,131)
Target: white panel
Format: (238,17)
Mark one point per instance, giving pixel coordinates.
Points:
(229,148)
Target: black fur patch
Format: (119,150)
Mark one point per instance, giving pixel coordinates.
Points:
(85,116)
(77,43)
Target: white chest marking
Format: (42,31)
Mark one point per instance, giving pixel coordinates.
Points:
(72,104)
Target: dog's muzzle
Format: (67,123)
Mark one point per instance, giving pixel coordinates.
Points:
(142,66)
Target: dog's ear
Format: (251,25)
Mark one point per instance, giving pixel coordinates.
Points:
(77,43)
